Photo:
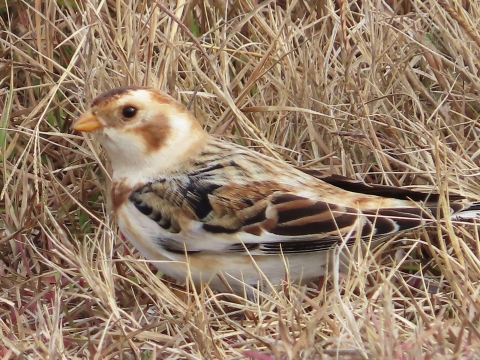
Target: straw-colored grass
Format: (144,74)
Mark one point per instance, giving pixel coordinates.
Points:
(383,91)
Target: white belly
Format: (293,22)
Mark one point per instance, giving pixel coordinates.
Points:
(216,268)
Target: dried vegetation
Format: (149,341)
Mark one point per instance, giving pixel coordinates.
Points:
(386,91)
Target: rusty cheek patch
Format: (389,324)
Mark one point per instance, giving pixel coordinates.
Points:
(154,133)
(120,193)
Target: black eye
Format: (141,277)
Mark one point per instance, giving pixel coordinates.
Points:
(129,111)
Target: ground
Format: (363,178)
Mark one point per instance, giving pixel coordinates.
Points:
(386,92)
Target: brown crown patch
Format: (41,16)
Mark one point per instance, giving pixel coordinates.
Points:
(162,98)
(114,94)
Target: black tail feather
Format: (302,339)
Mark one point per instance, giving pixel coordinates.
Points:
(358,186)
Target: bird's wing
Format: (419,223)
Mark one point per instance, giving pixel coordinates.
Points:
(358,186)
(196,215)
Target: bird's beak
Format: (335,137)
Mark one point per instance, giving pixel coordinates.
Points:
(87,122)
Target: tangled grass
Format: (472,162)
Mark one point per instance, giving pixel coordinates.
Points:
(385,91)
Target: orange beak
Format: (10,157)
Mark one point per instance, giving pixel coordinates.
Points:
(87,122)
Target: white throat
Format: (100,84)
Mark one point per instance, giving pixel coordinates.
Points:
(132,162)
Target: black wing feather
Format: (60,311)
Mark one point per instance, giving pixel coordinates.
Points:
(361,187)
(305,224)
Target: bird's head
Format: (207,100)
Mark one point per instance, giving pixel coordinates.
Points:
(141,129)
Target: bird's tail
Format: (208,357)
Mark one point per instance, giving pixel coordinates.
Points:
(471,211)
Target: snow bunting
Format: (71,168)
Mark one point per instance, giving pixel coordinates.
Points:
(223,213)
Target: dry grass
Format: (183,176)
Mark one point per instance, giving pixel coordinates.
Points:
(384,91)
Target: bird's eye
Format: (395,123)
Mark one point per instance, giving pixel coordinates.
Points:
(129,111)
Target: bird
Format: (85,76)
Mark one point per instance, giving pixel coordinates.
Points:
(206,209)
